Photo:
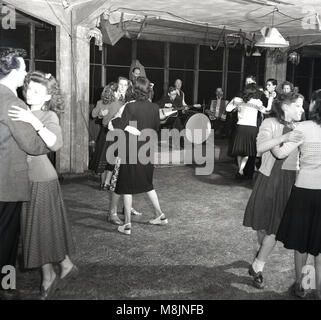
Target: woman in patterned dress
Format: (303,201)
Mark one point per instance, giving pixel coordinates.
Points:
(46,234)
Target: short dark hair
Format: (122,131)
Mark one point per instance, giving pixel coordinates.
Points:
(170,89)
(141,89)
(9,60)
(273,81)
(288,83)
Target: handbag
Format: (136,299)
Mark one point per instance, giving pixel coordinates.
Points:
(114,176)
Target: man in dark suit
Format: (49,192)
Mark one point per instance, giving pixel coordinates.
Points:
(17,139)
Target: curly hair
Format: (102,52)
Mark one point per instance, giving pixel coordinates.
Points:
(315,114)
(141,89)
(251,91)
(9,60)
(284,98)
(108,94)
(56,103)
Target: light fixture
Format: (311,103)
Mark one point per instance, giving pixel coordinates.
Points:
(65,4)
(294,57)
(257,53)
(271,38)
(96,33)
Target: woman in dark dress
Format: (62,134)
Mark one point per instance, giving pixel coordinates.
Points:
(137,177)
(105,108)
(275,179)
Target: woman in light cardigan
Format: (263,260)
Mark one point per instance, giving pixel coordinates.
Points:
(275,179)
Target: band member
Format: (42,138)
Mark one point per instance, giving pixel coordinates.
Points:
(180,97)
(171,103)
(217,114)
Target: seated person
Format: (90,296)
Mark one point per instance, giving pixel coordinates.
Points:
(217,113)
(171,103)
(180,97)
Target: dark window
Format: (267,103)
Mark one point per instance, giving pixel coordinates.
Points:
(233,85)
(235,59)
(304,67)
(208,82)
(113,73)
(156,76)
(16,38)
(95,83)
(46,66)
(181,56)
(211,60)
(95,53)
(316,83)
(45,43)
(150,53)
(303,84)
(120,53)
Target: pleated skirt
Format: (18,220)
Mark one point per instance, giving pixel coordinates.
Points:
(45,230)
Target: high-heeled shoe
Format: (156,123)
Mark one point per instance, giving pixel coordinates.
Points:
(114,219)
(47,294)
(161,220)
(126,228)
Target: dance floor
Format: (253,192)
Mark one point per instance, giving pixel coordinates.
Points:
(203,253)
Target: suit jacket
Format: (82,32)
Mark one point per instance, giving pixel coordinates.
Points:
(17,139)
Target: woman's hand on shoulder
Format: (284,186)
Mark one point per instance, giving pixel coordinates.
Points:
(19,114)
(295,136)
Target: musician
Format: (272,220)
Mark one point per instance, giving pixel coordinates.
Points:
(135,74)
(180,97)
(170,102)
(217,113)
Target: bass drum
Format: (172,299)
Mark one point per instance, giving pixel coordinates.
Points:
(197,128)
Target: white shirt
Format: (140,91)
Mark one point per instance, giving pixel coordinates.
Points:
(247,113)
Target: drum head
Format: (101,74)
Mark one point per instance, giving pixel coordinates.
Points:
(198,128)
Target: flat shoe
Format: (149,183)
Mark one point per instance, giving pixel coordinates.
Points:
(297,290)
(258,281)
(126,228)
(114,219)
(135,213)
(47,294)
(161,220)
(72,274)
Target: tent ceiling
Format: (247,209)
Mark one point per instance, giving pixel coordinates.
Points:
(194,18)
